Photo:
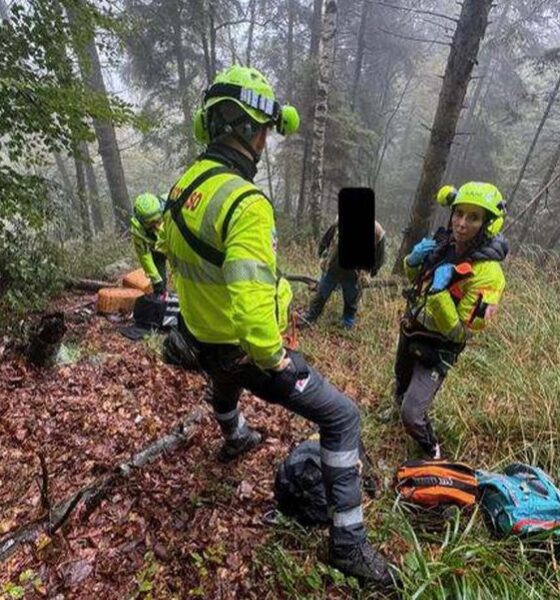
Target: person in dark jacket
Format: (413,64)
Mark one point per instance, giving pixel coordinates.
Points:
(352,281)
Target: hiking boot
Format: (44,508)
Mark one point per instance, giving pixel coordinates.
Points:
(348,322)
(365,563)
(235,447)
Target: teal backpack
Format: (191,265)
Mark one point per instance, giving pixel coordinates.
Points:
(522,500)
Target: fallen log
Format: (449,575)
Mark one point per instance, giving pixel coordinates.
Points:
(309,281)
(92,495)
(90,285)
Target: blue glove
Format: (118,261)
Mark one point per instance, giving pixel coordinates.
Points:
(442,277)
(420,251)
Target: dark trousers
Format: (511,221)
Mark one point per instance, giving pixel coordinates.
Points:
(416,386)
(161,264)
(302,390)
(329,281)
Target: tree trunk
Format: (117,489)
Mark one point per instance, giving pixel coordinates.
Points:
(359,52)
(211,23)
(63,171)
(310,96)
(252,7)
(462,57)
(458,158)
(90,68)
(386,138)
(180,59)
(289,99)
(533,210)
(4,13)
(269,174)
(82,197)
(326,60)
(551,100)
(93,189)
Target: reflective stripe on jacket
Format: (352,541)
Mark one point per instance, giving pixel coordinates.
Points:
(243,301)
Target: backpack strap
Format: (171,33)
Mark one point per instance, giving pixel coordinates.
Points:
(235,204)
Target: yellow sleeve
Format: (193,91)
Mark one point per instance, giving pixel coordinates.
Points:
(250,274)
(484,289)
(410,272)
(144,253)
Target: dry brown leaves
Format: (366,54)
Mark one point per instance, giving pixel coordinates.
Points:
(184,525)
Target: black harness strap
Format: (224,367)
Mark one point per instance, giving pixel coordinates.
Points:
(234,206)
(204,250)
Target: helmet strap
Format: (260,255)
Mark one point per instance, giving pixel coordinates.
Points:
(226,129)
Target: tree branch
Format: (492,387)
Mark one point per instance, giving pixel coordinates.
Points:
(96,491)
(413,39)
(418,11)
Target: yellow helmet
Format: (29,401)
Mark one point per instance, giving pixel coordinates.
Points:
(251,91)
(487,196)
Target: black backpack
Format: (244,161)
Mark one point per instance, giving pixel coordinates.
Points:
(152,312)
(299,488)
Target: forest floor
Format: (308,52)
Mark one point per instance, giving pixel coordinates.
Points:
(188,526)
(183,526)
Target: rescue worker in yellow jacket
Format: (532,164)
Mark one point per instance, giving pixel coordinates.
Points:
(220,239)
(146,227)
(457,284)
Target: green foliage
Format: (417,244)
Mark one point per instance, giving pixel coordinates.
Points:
(44,108)
(29,270)
(498,404)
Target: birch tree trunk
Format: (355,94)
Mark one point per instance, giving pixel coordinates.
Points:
(90,68)
(471,26)
(326,60)
(551,100)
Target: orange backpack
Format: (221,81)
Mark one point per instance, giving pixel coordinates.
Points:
(432,483)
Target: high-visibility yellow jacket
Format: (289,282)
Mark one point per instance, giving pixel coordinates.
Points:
(242,301)
(462,307)
(145,242)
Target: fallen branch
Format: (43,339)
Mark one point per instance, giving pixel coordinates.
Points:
(93,494)
(309,281)
(44,485)
(90,285)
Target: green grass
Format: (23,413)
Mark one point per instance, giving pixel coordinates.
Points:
(501,403)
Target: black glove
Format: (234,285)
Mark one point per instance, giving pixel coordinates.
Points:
(159,287)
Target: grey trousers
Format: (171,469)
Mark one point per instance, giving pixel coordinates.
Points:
(307,393)
(416,387)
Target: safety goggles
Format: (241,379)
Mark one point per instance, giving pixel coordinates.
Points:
(269,107)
